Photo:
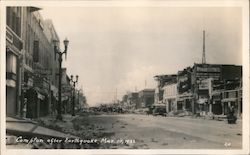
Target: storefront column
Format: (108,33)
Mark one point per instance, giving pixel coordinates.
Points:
(38,108)
(193,106)
(239,108)
(210,108)
(184,104)
(222,105)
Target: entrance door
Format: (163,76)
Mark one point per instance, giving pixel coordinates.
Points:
(11,101)
(32,99)
(217,108)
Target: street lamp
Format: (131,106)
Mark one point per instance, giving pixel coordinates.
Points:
(74,85)
(60,53)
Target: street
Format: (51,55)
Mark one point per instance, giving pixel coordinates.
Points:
(156,132)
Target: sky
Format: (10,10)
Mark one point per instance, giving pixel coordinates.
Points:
(115,50)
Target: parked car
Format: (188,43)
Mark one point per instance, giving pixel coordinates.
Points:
(159,110)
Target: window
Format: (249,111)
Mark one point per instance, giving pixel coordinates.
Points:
(8,11)
(14,19)
(36,51)
(11,63)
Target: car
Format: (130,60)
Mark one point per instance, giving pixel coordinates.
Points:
(159,111)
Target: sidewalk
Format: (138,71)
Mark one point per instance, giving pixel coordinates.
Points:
(16,127)
(32,127)
(65,126)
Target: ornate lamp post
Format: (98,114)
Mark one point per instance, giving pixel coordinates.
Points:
(60,53)
(74,85)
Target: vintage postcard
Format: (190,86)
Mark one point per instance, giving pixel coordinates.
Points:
(125,77)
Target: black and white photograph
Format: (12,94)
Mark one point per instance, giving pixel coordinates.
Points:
(137,76)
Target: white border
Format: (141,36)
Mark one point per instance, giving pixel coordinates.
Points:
(244,4)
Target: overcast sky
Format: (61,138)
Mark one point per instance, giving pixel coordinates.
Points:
(124,47)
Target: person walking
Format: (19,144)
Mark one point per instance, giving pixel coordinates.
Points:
(231,118)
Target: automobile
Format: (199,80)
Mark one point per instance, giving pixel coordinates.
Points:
(159,110)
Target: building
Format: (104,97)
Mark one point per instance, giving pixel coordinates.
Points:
(146,98)
(81,100)
(161,80)
(211,86)
(14,50)
(200,86)
(203,89)
(185,98)
(133,100)
(228,91)
(38,65)
(67,92)
(52,35)
(170,96)
(31,64)
(124,102)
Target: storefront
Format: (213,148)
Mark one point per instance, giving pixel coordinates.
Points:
(203,106)
(37,103)
(185,102)
(216,103)
(170,104)
(11,83)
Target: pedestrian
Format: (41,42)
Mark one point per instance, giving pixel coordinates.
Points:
(24,107)
(231,118)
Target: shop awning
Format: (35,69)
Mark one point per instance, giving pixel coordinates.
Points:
(40,96)
(40,93)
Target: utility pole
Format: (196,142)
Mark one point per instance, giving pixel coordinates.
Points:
(203,51)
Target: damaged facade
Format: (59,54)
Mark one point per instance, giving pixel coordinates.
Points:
(203,89)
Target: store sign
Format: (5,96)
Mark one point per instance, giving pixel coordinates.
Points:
(204,84)
(208,69)
(43,71)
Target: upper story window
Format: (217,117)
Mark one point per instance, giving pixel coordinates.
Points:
(14,19)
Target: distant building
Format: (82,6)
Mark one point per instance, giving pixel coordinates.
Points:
(81,100)
(170,96)
(161,80)
(205,89)
(185,98)
(67,92)
(210,81)
(146,98)
(200,86)
(228,91)
(124,102)
(133,100)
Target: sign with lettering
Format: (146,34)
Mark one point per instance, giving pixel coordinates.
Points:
(43,71)
(208,69)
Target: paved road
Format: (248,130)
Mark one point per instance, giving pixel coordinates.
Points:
(156,132)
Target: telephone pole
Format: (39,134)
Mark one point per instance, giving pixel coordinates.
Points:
(203,51)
